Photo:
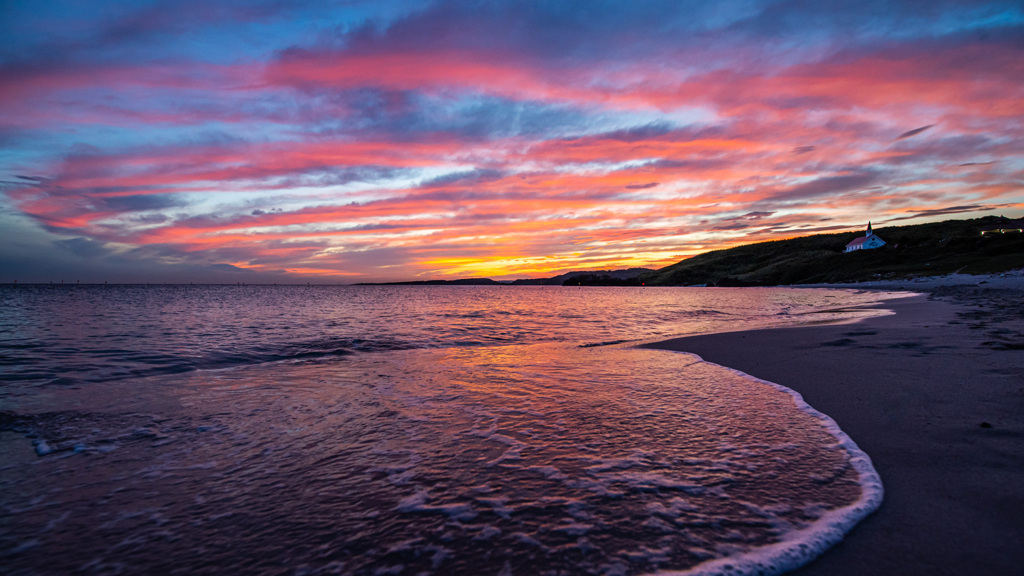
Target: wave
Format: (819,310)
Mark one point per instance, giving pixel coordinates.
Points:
(79,366)
(607,343)
(799,547)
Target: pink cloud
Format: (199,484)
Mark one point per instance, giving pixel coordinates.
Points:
(815,140)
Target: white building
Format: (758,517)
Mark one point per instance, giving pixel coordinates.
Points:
(866,242)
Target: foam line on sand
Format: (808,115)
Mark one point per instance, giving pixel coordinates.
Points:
(799,547)
(934,394)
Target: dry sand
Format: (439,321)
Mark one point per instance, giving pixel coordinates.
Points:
(935,395)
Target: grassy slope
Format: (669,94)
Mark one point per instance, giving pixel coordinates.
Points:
(923,249)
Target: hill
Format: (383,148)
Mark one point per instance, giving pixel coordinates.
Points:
(627,277)
(918,250)
(459,282)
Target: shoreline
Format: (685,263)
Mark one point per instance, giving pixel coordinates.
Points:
(934,395)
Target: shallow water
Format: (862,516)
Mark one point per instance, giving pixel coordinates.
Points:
(437,453)
(66,335)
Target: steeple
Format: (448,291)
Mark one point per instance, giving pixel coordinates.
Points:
(870,232)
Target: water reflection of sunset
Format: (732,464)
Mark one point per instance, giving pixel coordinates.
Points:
(444,429)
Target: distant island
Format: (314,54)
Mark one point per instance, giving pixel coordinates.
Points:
(625,277)
(459,282)
(988,245)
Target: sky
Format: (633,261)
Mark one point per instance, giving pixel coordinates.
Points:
(348,141)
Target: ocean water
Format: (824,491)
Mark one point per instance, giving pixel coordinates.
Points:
(410,430)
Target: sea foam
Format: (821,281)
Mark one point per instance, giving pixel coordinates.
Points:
(528,460)
(799,547)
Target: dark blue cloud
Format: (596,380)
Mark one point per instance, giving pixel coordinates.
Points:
(467,178)
(914,132)
(742,222)
(325,176)
(828,185)
(645,132)
(140,202)
(409,115)
(84,247)
(954,148)
(63,31)
(569,32)
(950,210)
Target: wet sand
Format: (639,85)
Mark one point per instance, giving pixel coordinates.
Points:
(935,395)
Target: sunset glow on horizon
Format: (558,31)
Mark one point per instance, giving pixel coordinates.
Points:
(398,140)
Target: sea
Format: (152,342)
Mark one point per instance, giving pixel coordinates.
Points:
(411,430)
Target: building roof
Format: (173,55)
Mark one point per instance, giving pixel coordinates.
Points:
(864,239)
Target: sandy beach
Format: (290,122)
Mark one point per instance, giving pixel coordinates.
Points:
(935,395)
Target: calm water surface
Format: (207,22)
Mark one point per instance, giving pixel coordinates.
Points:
(401,430)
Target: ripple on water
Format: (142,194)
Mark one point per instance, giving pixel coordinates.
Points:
(512,460)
